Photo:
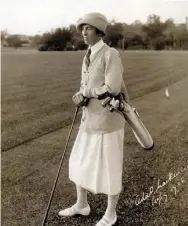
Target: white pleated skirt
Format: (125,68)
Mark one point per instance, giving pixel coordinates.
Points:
(96,162)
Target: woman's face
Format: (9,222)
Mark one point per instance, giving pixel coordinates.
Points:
(89,34)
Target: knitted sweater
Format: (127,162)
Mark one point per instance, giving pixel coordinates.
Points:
(104,74)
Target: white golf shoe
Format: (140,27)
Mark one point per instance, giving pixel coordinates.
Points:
(106,222)
(73,210)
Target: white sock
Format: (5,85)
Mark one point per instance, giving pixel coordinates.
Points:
(81,197)
(111,208)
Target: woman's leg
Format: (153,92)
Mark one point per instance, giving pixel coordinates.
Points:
(81,197)
(111,208)
(110,215)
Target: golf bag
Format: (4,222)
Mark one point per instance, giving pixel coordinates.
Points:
(117,103)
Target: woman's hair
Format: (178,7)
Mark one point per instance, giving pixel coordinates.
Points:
(99,32)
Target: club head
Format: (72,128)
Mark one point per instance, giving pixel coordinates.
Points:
(111,109)
(106,101)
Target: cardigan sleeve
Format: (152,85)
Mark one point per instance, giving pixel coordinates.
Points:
(82,82)
(113,76)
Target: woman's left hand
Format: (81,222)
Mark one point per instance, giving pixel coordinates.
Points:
(78,98)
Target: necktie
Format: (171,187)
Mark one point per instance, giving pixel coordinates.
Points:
(87,58)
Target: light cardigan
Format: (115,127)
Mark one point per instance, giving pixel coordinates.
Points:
(105,74)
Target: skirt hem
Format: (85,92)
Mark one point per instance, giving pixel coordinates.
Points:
(94,192)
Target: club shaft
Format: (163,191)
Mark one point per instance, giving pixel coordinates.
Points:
(60,165)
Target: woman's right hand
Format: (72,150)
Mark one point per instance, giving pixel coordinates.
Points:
(78,98)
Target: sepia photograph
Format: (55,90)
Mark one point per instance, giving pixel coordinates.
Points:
(94,113)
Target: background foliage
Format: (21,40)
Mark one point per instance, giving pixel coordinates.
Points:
(154,34)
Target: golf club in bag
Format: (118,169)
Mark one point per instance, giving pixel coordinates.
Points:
(118,104)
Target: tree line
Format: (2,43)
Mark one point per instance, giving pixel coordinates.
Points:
(154,34)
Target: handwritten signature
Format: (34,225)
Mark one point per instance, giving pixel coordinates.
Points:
(155,194)
(164,196)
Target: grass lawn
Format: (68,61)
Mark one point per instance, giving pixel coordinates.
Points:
(37,87)
(37,110)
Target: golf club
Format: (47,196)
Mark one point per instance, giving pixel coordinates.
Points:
(62,158)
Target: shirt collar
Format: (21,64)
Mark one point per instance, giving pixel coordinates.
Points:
(95,48)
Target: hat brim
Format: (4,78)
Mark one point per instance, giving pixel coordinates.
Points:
(86,21)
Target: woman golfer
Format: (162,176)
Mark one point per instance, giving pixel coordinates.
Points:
(96,160)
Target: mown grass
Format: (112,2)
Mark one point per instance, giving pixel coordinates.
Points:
(37,87)
(36,99)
